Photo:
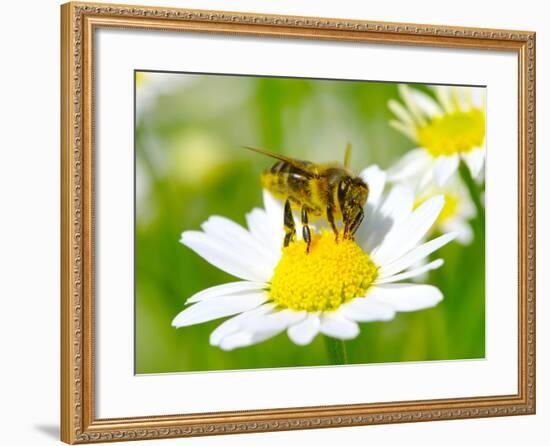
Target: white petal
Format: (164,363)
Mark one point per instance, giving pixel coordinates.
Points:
(444,167)
(233,325)
(225,289)
(261,326)
(236,340)
(262,229)
(404,128)
(277,320)
(462,228)
(376,180)
(335,325)
(468,97)
(426,178)
(257,221)
(223,306)
(466,208)
(227,328)
(411,273)
(244,339)
(305,331)
(235,237)
(401,112)
(414,255)
(364,309)
(226,259)
(475,159)
(479,97)
(406,296)
(443,95)
(274,209)
(458,99)
(396,206)
(412,106)
(430,107)
(409,166)
(404,236)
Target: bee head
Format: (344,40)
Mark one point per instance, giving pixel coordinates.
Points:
(359,191)
(353,190)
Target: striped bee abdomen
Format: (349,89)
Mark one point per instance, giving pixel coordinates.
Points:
(284,181)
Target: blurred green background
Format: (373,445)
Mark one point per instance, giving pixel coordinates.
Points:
(190,165)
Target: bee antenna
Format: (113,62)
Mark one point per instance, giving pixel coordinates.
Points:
(347,155)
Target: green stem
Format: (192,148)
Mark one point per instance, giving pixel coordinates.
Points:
(475,195)
(336,351)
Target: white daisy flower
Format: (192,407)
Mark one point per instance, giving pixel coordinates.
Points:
(446,130)
(457,210)
(455,216)
(328,290)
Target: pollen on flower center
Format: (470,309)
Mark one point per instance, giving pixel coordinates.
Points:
(459,131)
(331,274)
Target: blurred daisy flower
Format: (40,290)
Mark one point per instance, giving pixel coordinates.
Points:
(328,290)
(149,86)
(457,210)
(446,129)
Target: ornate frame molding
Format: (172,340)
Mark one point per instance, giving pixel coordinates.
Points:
(78,424)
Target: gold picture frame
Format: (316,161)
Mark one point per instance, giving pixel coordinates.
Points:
(78,24)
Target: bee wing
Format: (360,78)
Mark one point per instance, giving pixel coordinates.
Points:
(303,166)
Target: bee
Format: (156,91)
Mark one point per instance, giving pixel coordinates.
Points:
(316,190)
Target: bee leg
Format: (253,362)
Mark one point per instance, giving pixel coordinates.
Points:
(347,217)
(306,233)
(343,203)
(290,227)
(330,218)
(353,222)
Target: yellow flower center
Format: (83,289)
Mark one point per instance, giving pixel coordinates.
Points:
(323,279)
(450,208)
(459,131)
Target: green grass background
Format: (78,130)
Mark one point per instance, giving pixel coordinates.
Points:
(190,165)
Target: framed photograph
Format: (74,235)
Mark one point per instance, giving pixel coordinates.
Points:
(276,223)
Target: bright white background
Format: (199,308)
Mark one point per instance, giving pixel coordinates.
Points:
(29,222)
